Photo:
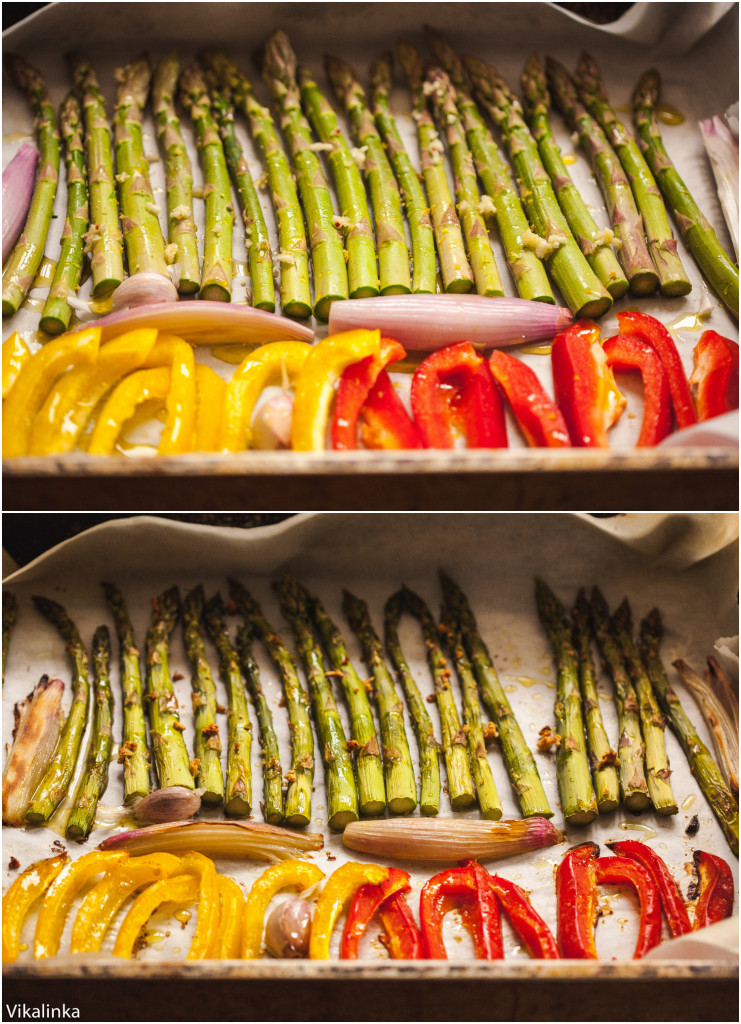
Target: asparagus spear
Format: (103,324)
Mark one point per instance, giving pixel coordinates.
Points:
(271,770)
(401,790)
(393,255)
(295,293)
(94,782)
(57,312)
(429,757)
(25,259)
(702,765)
(451,250)
(460,782)
(578,801)
(216,279)
(593,242)
(207,743)
(298,794)
(56,781)
(10,613)
(582,290)
(362,272)
(633,787)
(412,191)
(368,763)
(238,788)
(527,270)
(327,255)
(475,232)
(624,217)
(104,240)
(519,761)
(165,730)
(662,244)
(258,243)
(342,797)
(134,750)
(181,227)
(602,758)
(714,262)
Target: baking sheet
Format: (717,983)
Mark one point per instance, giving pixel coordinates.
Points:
(495,558)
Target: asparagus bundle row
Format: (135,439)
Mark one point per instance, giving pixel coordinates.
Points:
(207,742)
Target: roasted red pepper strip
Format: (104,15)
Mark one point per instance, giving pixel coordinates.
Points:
(365,905)
(479,910)
(715,375)
(539,418)
(402,937)
(576,895)
(384,422)
(629,352)
(623,871)
(584,387)
(671,897)
(715,888)
(653,331)
(353,389)
(525,920)
(488,933)
(453,388)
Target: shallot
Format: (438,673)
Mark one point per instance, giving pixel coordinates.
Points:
(38,721)
(218,839)
(18,181)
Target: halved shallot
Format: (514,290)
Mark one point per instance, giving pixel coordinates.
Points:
(19,178)
(718,703)
(218,839)
(38,720)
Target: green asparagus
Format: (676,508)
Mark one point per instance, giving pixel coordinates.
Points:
(207,742)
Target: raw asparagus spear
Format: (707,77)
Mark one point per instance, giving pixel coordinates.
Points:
(181,227)
(301,774)
(53,787)
(451,250)
(475,231)
(662,244)
(295,293)
(702,765)
(10,613)
(455,748)
(412,191)
(207,742)
(25,259)
(271,770)
(401,790)
(624,217)
(429,756)
(519,761)
(593,242)
(216,278)
(716,265)
(578,801)
(342,797)
(166,732)
(527,270)
(631,749)
(327,254)
(57,311)
(582,290)
(658,771)
(602,757)
(238,788)
(94,782)
(134,750)
(104,240)
(393,255)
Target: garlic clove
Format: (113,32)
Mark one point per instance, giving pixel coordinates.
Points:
(142,289)
(171,804)
(271,427)
(288,929)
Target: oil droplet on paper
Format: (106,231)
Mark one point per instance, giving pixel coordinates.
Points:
(669,114)
(688,801)
(632,826)
(540,349)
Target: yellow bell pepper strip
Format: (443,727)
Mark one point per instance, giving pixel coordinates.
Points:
(210,397)
(274,363)
(228,935)
(103,902)
(36,378)
(132,391)
(208,904)
(177,433)
(316,382)
(60,896)
(336,895)
(15,354)
(299,874)
(72,401)
(175,889)
(20,897)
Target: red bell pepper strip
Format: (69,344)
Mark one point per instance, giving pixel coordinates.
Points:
(715,902)
(402,938)
(653,331)
(451,388)
(576,896)
(629,352)
(715,375)
(353,389)
(584,386)
(488,931)
(479,910)
(525,920)
(671,898)
(539,418)
(365,904)
(384,421)
(623,871)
